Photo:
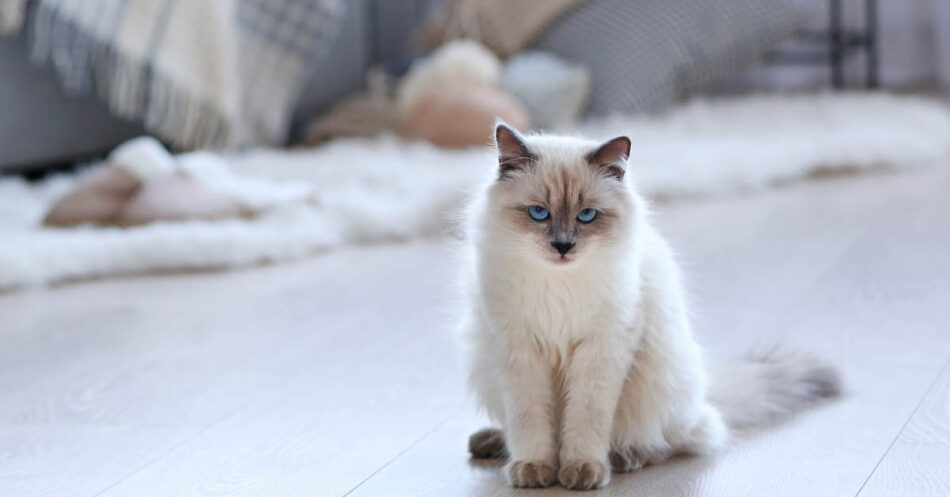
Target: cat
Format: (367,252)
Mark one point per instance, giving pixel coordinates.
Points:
(581,348)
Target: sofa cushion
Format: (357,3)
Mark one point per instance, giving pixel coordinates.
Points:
(643,54)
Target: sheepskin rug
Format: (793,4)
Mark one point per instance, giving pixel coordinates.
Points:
(371,190)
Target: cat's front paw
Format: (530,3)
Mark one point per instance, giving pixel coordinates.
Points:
(530,474)
(584,475)
(627,459)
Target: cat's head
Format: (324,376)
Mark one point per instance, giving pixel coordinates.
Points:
(560,199)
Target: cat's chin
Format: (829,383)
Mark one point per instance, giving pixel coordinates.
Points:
(562,261)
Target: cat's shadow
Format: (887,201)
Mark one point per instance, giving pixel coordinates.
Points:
(486,464)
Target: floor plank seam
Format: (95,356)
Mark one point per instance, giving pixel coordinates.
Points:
(404,451)
(164,454)
(913,413)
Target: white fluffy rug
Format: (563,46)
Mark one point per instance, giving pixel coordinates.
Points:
(384,189)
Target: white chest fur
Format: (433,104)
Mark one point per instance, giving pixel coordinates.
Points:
(557,307)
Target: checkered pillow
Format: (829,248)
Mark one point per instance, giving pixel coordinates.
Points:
(643,54)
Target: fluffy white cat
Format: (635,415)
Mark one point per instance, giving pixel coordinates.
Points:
(581,346)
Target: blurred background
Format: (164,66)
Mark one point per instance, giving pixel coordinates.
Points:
(227,229)
(60,102)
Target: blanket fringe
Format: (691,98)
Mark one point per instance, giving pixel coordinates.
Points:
(131,88)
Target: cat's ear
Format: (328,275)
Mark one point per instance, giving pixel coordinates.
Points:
(513,153)
(611,157)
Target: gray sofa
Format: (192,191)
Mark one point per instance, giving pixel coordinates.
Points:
(41,126)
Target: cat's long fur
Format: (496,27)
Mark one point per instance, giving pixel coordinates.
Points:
(586,359)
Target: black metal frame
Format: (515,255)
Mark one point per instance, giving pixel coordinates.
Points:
(840,42)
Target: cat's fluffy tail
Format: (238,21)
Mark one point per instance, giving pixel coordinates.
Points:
(767,387)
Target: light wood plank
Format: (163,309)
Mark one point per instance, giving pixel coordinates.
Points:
(918,463)
(208,351)
(69,460)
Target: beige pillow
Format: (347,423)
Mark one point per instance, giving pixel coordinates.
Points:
(504,26)
(177,196)
(97,200)
(461,115)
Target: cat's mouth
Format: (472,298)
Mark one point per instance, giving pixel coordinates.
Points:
(563,259)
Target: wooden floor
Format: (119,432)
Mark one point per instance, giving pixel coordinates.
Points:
(339,375)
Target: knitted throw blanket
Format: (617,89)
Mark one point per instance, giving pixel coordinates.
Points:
(197,74)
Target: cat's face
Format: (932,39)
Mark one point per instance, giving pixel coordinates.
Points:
(560,199)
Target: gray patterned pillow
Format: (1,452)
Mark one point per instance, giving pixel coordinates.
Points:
(644,54)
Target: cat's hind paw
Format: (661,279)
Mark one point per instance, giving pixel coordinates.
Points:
(584,475)
(488,443)
(531,474)
(626,460)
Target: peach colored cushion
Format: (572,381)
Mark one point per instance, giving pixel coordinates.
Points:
(97,200)
(177,196)
(461,115)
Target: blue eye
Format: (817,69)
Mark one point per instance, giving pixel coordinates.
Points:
(538,213)
(587,215)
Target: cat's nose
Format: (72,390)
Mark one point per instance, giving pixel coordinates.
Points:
(563,247)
